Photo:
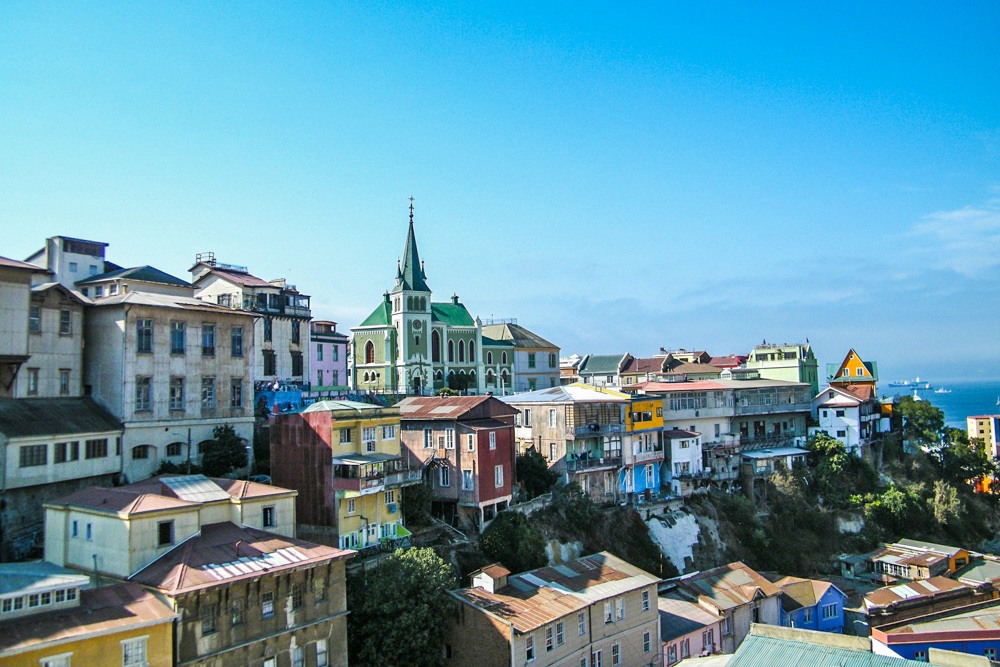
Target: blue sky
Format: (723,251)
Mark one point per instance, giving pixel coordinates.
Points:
(617,178)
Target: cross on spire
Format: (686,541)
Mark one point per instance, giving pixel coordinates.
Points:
(411,209)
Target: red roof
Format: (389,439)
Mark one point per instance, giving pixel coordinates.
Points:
(647,365)
(449,407)
(241,278)
(728,361)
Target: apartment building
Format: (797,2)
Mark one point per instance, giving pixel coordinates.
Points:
(642,474)
(791,363)
(597,610)
(986,428)
(15,296)
(465,444)
(536,360)
(346,461)
(55,342)
(327,357)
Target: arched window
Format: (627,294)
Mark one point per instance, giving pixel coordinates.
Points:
(503,358)
(204,445)
(451,350)
(366,377)
(472,351)
(174,448)
(423,303)
(370,353)
(489,358)
(472,378)
(435,346)
(490,381)
(140,452)
(503,379)
(461,350)
(439,375)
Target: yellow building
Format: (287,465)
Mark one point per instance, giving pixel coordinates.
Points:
(48,619)
(853,370)
(987,429)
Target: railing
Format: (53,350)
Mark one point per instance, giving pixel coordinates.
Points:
(403,477)
(701,474)
(363,486)
(643,457)
(578,465)
(597,430)
(774,408)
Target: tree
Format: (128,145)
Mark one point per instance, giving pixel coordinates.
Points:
(533,473)
(417,504)
(946,505)
(226,452)
(400,609)
(922,422)
(514,541)
(963,461)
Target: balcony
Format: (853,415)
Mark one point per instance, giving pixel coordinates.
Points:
(774,408)
(594,463)
(370,473)
(646,457)
(596,430)
(403,478)
(364,487)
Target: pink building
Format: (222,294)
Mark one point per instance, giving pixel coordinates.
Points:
(687,630)
(327,357)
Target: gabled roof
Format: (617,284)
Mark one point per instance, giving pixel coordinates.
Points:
(791,646)
(449,407)
(728,361)
(571,393)
(452,313)
(647,365)
(380,317)
(493,342)
(600,364)
(241,278)
(681,617)
(727,586)
(924,588)
(332,405)
(26,417)
(59,287)
(517,334)
(166,301)
(7,263)
(146,274)
(797,593)
(223,553)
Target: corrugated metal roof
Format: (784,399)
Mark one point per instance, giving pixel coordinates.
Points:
(757,651)
(23,417)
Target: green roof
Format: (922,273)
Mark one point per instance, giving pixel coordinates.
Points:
(452,314)
(380,317)
(493,342)
(149,274)
(411,274)
(600,364)
(757,651)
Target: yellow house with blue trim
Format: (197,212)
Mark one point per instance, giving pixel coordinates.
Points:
(643,454)
(853,370)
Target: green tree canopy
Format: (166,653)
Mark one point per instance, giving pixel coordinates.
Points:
(226,452)
(514,541)
(922,422)
(400,609)
(963,461)
(533,473)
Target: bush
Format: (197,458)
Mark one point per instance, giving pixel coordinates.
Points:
(416,500)
(511,539)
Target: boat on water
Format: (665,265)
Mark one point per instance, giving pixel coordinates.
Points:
(915,384)
(942,390)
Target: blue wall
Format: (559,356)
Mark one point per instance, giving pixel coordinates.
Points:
(835,624)
(973,647)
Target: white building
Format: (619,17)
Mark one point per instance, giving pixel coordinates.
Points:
(536,360)
(847,415)
(70,260)
(55,343)
(685,462)
(15,294)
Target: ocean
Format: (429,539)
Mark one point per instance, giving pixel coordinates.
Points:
(967,397)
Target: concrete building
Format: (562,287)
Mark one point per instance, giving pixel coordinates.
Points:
(848,413)
(50,447)
(279,347)
(49,617)
(987,428)
(684,462)
(536,360)
(596,610)
(579,430)
(465,445)
(55,342)
(791,363)
(171,368)
(328,358)
(346,461)
(972,629)
(69,260)
(15,297)
(642,476)
(687,629)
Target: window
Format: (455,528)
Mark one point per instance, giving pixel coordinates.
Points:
(296,596)
(65,322)
(807,615)
(73,267)
(428,439)
(236,613)
(990,653)
(267,605)
(144,336)
(322,655)
(268,330)
(685,648)
(270,662)
(560,634)
(96,449)
(89,532)
(99,290)
(493,439)
(616,654)
(368,438)
(345,436)
(64,382)
(140,452)
(470,442)
(390,497)
(645,600)
(552,418)
(841,434)
(503,358)
(608,612)
(529,641)
(319,351)
(467,481)
(369,352)
(208,340)
(296,364)
(267,517)
(236,393)
(176,393)
(208,393)
(296,331)
(142,394)
(445,476)
(67,451)
(174,449)
(727,628)
(531,360)
(619,608)
(134,652)
(647,644)
(35,319)
(270,362)
(32,382)
(351,506)
(581,623)
(839,413)
(34,455)
(597,659)
(449,438)
(62,660)
(319,589)
(498,476)
(177,338)
(298,658)
(550,639)
(164,533)
(209,619)
(829,611)
(236,342)
(708,639)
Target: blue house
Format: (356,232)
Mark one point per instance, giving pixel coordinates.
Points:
(811,604)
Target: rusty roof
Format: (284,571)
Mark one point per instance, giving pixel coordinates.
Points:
(798,592)
(727,586)
(645,365)
(101,611)
(241,278)
(448,407)
(914,590)
(224,552)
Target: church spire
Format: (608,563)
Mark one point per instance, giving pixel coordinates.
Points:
(411,276)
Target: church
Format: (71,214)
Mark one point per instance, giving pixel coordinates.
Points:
(412,345)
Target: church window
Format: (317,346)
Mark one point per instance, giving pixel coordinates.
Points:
(461,350)
(451,350)
(369,352)
(503,358)
(489,358)
(366,377)
(435,346)
(472,351)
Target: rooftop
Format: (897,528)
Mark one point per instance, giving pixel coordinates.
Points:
(449,407)
(681,617)
(27,417)
(773,452)
(146,274)
(571,393)
(19,578)
(914,590)
(517,334)
(797,593)
(727,586)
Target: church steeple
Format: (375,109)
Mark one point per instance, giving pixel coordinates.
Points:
(410,276)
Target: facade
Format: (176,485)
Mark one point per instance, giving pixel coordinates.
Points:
(987,428)
(914,559)
(49,617)
(327,357)
(848,413)
(596,610)
(345,459)
(465,445)
(49,447)
(811,604)
(642,475)
(536,360)
(685,470)
(579,430)
(499,357)
(171,368)
(15,297)
(791,363)
(278,348)
(602,370)
(55,342)
(687,629)
(736,594)
(902,602)
(69,260)
(853,370)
